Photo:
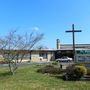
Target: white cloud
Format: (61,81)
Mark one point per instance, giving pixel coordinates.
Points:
(35,28)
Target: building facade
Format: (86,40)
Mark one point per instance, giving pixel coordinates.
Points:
(42,55)
(82,52)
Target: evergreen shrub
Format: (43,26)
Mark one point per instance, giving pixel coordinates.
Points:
(75,72)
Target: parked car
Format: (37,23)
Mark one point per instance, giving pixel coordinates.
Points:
(64,59)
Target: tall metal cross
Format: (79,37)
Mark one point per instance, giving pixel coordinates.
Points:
(73,36)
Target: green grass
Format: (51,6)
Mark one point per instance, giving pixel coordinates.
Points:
(26,78)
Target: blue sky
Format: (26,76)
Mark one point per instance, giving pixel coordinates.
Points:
(51,17)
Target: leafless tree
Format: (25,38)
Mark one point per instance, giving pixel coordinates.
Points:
(13,45)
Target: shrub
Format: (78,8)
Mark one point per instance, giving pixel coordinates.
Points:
(3,62)
(81,69)
(88,71)
(49,69)
(54,63)
(75,72)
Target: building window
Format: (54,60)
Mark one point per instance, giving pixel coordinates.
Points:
(81,58)
(43,55)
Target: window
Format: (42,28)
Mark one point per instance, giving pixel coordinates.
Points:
(81,58)
(44,55)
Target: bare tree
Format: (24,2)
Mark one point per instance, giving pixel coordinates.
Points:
(13,45)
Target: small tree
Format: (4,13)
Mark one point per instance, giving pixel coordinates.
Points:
(13,45)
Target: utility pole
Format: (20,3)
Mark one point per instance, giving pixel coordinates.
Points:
(73,36)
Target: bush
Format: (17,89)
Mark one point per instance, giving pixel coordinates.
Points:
(3,62)
(81,69)
(49,69)
(75,72)
(54,63)
(88,71)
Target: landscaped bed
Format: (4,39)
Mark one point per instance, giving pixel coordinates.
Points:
(27,78)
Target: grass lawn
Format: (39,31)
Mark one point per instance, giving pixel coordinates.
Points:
(26,78)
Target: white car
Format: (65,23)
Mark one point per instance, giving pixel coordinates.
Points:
(64,59)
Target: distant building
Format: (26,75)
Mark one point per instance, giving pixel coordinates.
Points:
(82,53)
(42,55)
